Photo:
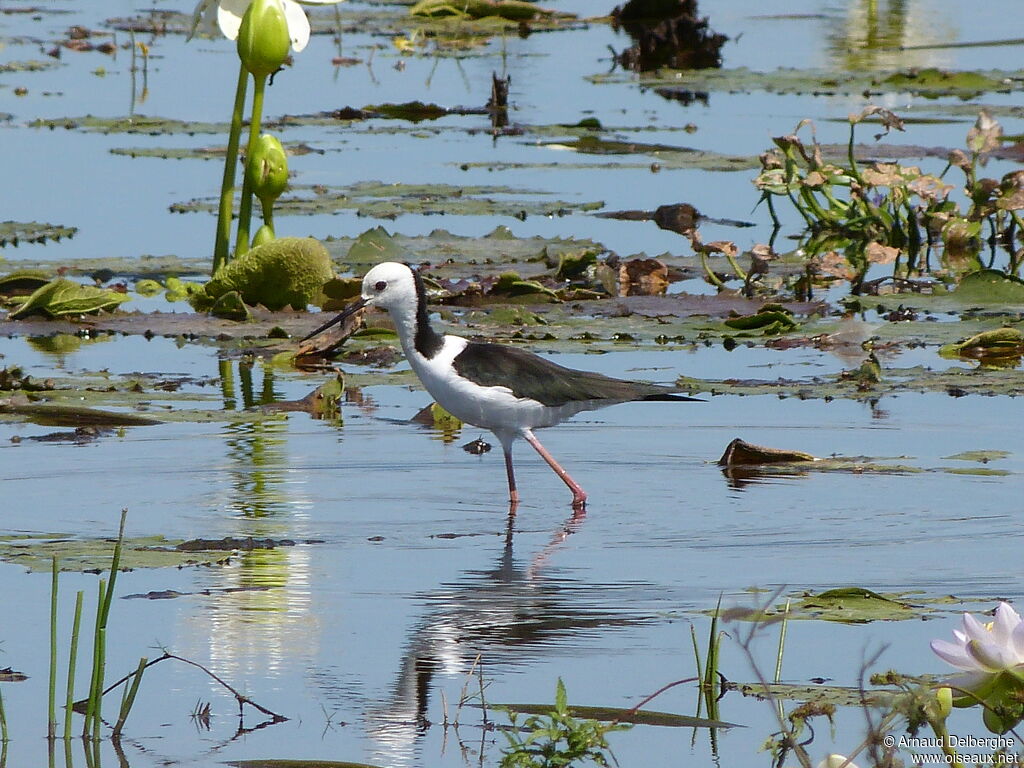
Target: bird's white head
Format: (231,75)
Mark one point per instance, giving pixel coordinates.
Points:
(390,286)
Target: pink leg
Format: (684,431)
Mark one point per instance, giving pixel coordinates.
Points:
(513,494)
(579,497)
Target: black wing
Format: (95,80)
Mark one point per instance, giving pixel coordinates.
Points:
(527,375)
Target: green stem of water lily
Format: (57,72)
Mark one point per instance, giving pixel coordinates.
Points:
(245,207)
(221,252)
(939,729)
(268,212)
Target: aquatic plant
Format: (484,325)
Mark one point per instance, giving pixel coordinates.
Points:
(991,658)
(889,213)
(557,739)
(287,271)
(264,31)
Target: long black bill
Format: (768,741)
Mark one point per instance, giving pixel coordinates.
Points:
(350,310)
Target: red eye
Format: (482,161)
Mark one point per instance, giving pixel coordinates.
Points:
(380,286)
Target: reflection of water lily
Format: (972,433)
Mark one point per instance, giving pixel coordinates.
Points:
(984,650)
(227,15)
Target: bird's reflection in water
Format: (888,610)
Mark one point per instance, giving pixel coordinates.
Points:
(511,614)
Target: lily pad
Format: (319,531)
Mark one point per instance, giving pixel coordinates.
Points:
(64,297)
(956,382)
(989,286)
(983,457)
(836,695)
(928,83)
(669,157)
(988,345)
(35,552)
(54,415)
(622,715)
(852,605)
(378,200)
(32,65)
(23,282)
(16,232)
(151,126)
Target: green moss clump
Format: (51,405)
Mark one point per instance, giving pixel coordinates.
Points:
(287,271)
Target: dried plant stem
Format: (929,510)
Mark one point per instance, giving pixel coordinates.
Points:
(239,697)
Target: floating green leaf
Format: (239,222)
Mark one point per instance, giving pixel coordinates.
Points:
(15,232)
(982,457)
(35,552)
(988,345)
(61,297)
(622,715)
(839,696)
(23,281)
(988,286)
(378,200)
(59,415)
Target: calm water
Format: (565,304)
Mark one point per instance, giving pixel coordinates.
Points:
(365,638)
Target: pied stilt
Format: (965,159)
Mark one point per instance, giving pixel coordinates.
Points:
(507,390)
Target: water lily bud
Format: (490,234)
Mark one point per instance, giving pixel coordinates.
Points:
(263,38)
(264,235)
(944,701)
(266,170)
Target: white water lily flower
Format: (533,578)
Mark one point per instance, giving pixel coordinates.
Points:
(985,650)
(836,761)
(227,15)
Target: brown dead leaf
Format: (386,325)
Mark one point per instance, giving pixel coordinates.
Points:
(741,453)
(311,353)
(814,179)
(985,135)
(643,277)
(834,264)
(885,175)
(728,247)
(877,253)
(1011,202)
(930,188)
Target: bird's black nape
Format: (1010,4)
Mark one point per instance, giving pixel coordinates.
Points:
(427,341)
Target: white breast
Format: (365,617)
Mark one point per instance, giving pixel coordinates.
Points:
(494,408)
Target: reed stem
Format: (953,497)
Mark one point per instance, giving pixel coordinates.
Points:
(51,722)
(129,699)
(72,662)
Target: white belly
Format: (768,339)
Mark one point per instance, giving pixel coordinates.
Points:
(493,408)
